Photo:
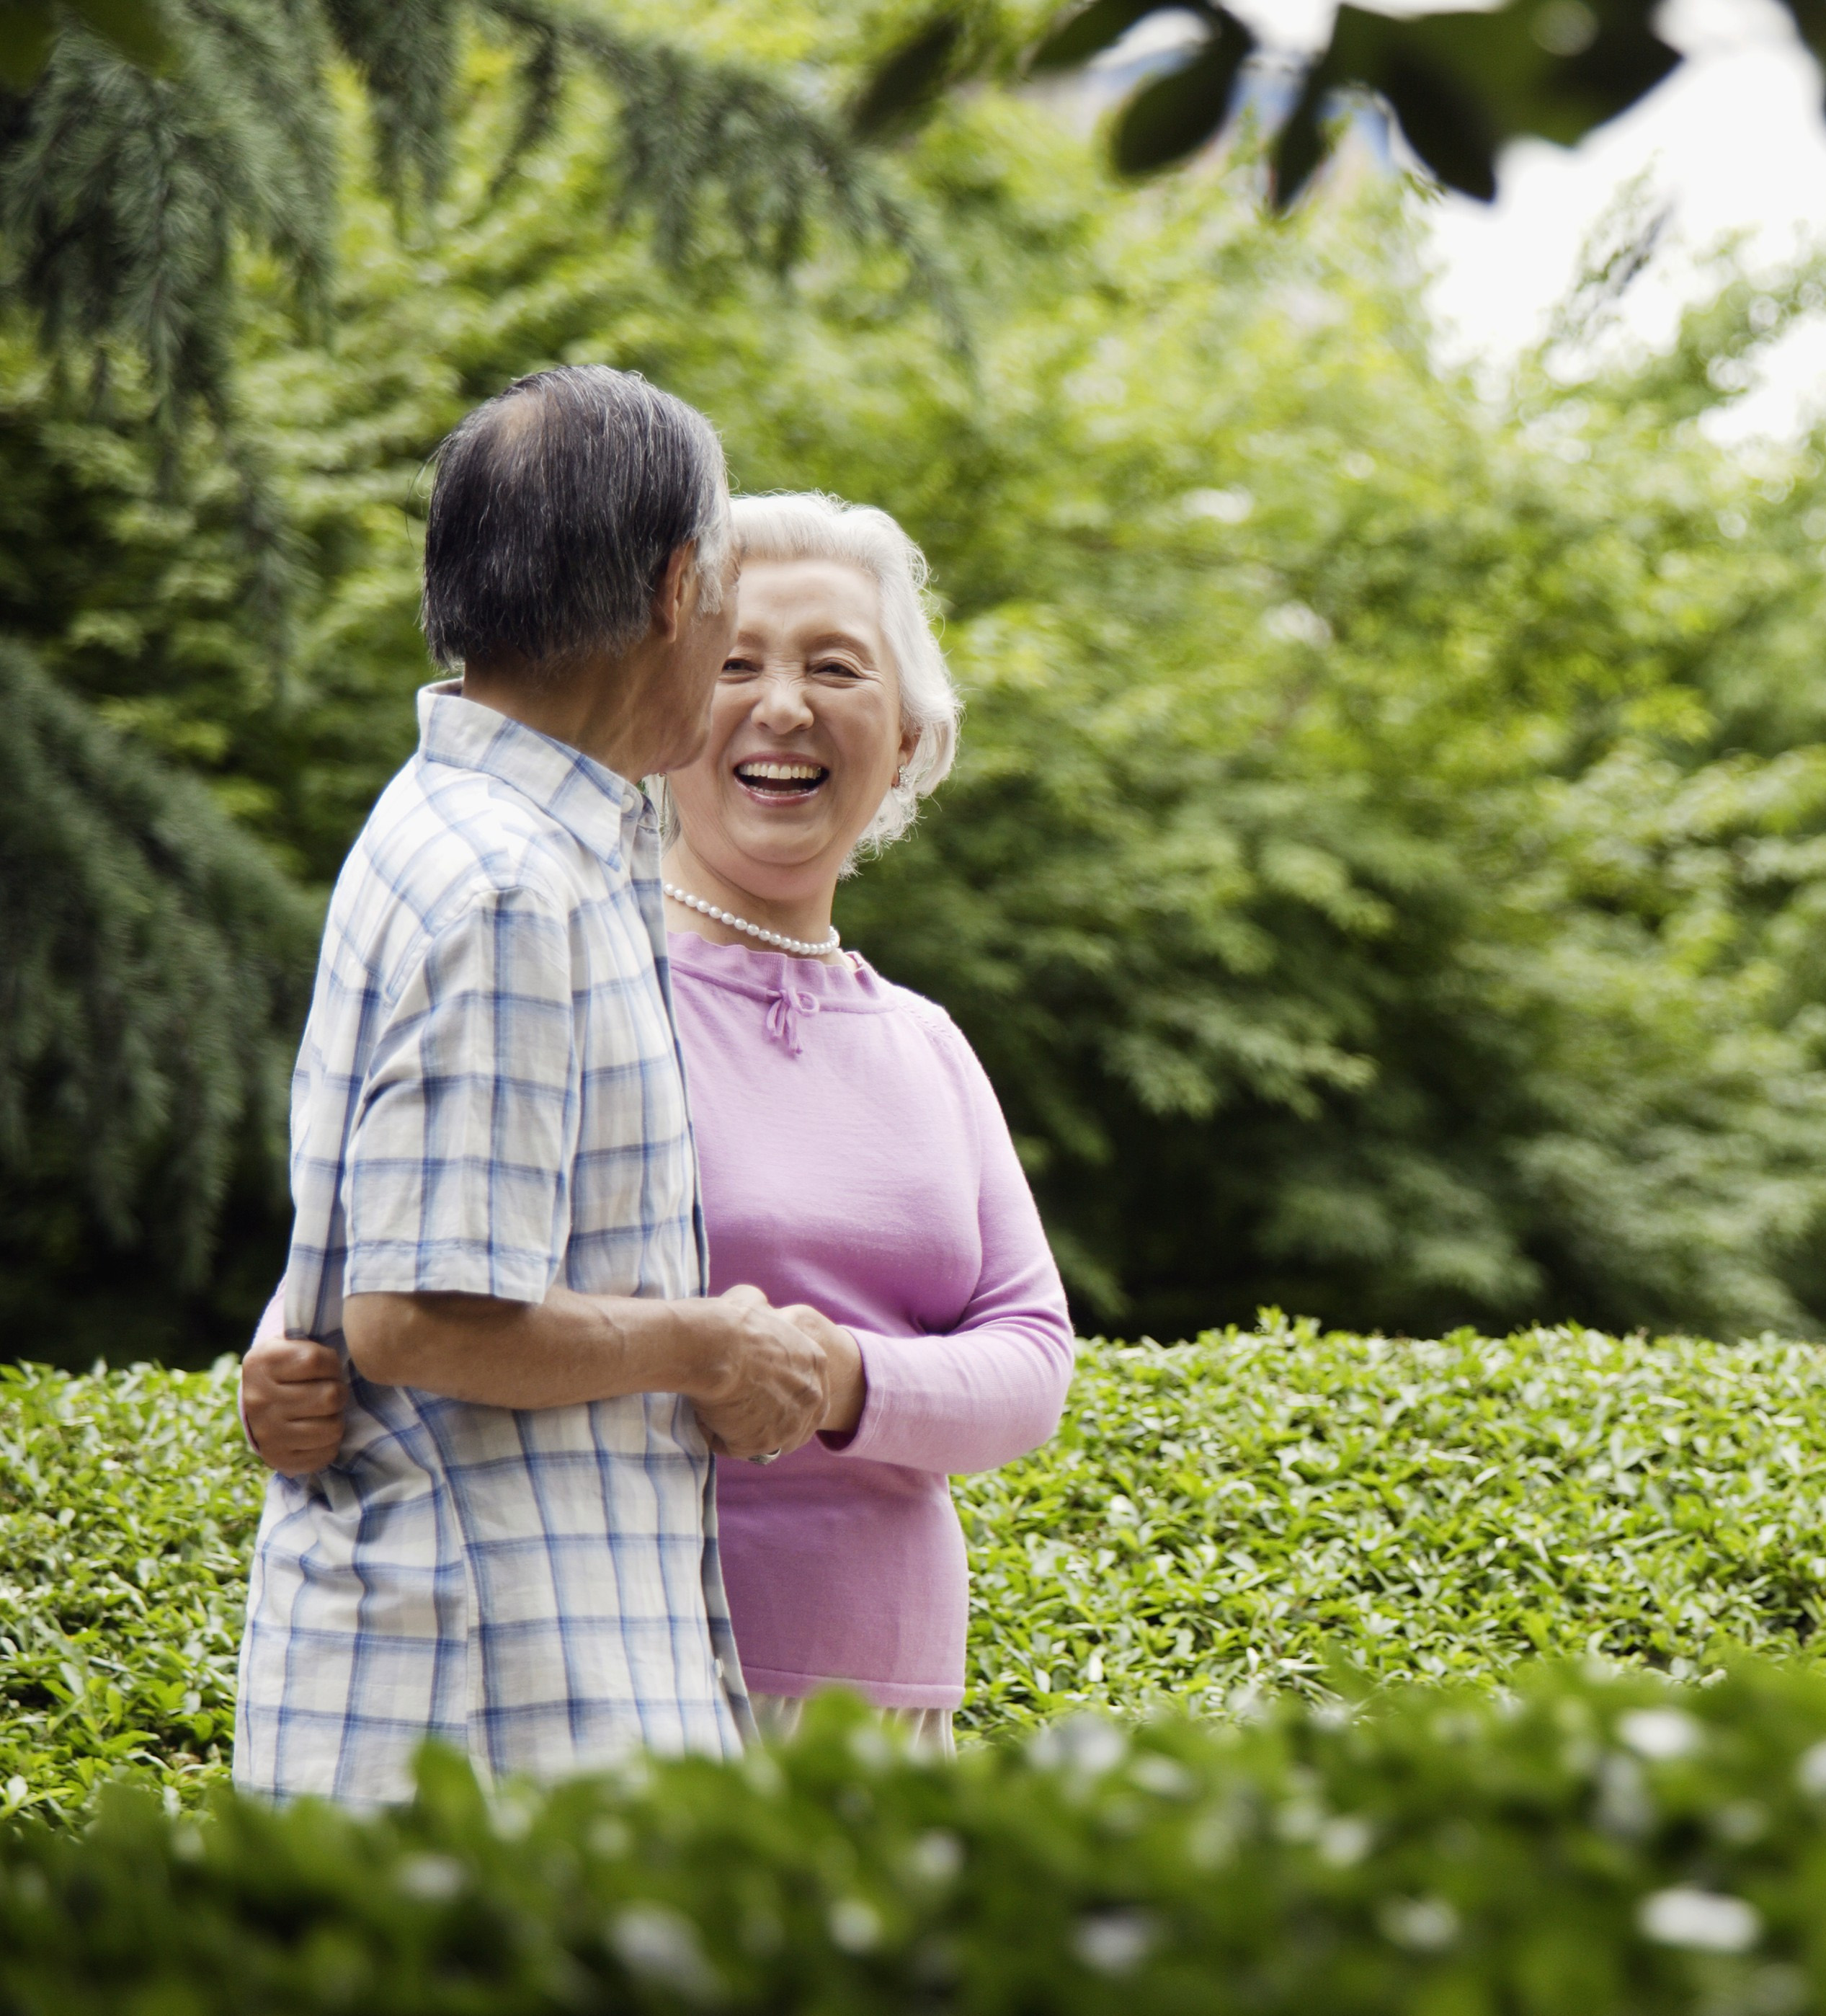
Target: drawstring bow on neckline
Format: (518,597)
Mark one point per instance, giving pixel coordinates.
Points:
(785,1005)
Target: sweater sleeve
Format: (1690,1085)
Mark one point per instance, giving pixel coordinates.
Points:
(995,1388)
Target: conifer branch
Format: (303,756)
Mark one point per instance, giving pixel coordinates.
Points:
(152,961)
(688,123)
(125,192)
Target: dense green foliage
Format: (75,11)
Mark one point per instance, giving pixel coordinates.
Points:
(1281,1508)
(128,1509)
(151,968)
(1256,1512)
(1602,1845)
(1384,873)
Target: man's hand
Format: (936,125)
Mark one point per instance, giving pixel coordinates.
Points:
(764,1384)
(293,1391)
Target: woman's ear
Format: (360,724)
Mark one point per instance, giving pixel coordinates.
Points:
(909,742)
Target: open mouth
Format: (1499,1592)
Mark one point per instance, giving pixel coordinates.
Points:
(780,782)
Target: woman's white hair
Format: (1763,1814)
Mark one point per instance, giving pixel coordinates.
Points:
(808,525)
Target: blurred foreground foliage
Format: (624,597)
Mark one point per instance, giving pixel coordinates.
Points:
(1384,877)
(1260,1513)
(1602,1844)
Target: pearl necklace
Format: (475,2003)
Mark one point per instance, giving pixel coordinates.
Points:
(799,947)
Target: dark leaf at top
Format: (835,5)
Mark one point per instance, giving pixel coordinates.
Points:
(1809,20)
(1176,114)
(1463,84)
(28,32)
(1082,32)
(904,86)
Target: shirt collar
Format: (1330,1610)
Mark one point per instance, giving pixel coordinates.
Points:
(574,789)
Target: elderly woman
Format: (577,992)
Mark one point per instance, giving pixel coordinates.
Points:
(855,1165)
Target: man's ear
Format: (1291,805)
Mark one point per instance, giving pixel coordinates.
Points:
(672,598)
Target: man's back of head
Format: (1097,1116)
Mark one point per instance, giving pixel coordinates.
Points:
(557,507)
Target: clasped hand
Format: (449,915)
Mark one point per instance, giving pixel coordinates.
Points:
(761,1380)
(788,1373)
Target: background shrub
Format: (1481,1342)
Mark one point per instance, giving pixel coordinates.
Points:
(1598,1844)
(1257,1511)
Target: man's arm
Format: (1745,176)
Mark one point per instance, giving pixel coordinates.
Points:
(759,1381)
(454,1177)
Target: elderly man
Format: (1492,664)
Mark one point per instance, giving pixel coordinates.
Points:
(496,1193)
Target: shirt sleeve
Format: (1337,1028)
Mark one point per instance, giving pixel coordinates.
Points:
(456,1176)
(995,1387)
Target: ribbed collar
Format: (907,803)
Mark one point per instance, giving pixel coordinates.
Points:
(585,797)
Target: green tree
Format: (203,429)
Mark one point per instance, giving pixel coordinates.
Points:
(150,962)
(154,166)
(127,174)
(1383,875)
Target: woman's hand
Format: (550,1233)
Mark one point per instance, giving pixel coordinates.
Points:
(788,1395)
(762,1386)
(845,1384)
(293,1391)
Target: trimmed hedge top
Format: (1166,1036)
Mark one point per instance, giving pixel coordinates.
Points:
(1598,1847)
(1253,1511)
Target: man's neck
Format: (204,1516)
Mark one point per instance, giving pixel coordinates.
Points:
(596,705)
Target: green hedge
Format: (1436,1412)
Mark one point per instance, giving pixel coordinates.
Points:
(127,1508)
(1596,1847)
(1263,1508)
(1252,1512)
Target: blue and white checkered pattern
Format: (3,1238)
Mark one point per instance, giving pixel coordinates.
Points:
(489,1098)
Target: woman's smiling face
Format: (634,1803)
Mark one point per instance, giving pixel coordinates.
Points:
(806,734)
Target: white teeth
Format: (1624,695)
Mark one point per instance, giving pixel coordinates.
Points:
(781,773)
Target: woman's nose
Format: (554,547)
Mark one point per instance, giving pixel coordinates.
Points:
(781,702)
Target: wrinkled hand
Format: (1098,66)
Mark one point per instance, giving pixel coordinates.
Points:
(846,1388)
(764,1386)
(292,1392)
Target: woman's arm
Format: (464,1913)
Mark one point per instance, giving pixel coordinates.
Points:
(995,1387)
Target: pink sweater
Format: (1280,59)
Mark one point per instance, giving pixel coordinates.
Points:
(854,1157)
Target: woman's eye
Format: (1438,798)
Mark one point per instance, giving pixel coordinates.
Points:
(836,668)
(736,668)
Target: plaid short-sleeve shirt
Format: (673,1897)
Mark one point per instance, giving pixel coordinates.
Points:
(489,1098)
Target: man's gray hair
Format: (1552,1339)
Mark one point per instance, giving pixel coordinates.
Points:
(556,506)
(808,525)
